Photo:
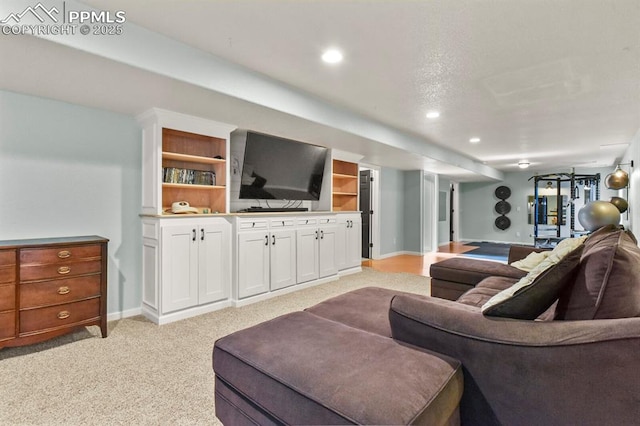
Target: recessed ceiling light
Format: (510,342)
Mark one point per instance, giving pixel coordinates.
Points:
(474,140)
(523,164)
(332,56)
(433,114)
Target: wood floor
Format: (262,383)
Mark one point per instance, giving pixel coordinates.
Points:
(418,265)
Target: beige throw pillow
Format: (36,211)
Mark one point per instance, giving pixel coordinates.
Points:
(532,260)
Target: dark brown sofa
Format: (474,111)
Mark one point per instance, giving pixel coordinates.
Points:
(580,368)
(450,278)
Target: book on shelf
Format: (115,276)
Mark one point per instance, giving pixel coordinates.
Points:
(188,176)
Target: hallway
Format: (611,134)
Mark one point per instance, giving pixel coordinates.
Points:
(418,265)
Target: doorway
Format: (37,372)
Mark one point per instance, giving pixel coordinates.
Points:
(368,206)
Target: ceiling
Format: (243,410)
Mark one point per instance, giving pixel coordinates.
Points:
(556,83)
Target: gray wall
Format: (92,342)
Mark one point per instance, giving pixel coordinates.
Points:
(391,211)
(444,185)
(412,228)
(67,170)
(477,203)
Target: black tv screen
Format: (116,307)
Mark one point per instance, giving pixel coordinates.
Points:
(275,168)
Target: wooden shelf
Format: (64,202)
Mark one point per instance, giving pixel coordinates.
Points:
(343,176)
(191,158)
(191,186)
(345,186)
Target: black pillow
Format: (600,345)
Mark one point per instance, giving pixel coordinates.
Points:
(531,301)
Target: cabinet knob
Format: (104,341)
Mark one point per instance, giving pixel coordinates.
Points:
(201,234)
(64,290)
(64,254)
(64,315)
(273,240)
(266,240)
(64,270)
(194,234)
(321,234)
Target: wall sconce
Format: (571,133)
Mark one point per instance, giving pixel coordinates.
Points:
(619,179)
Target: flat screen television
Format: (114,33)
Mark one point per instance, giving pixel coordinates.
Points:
(275,168)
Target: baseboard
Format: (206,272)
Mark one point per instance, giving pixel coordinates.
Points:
(350,271)
(282,291)
(398,253)
(114,316)
(520,243)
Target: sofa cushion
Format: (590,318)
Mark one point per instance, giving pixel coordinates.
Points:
(533,294)
(365,309)
(485,290)
(303,369)
(608,281)
(472,271)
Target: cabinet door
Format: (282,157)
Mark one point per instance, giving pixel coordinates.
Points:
(214,267)
(307,254)
(341,243)
(283,259)
(354,242)
(179,267)
(253,263)
(327,251)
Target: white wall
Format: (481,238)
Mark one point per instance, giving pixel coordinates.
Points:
(67,170)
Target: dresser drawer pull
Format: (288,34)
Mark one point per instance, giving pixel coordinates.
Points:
(64,270)
(64,315)
(63,290)
(63,254)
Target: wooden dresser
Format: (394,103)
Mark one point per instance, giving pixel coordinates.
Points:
(50,287)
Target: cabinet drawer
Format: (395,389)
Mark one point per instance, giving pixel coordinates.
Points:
(60,270)
(59,316)
(7,257)
(60,254)
(7,297)
(309,221)
(327,221)
(253,224)
(282,223)
(7,273)
(7,324)
(59,291)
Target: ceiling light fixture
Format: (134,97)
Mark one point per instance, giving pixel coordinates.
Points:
(433,114)
(474,140)
(523,164)
(332,56)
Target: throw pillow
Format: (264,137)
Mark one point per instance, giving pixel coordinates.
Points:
(534,293)
(608,282)
(532,260)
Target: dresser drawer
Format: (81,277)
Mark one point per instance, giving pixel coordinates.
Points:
(61,254)
(7,324)
(7,297)
(7,273)
(60,270)
(54,292)
(59,316)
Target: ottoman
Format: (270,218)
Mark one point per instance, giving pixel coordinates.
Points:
(303,369)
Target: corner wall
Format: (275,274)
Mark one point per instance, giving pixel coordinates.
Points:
(67,170)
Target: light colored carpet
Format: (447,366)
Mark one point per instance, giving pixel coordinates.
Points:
(143,374)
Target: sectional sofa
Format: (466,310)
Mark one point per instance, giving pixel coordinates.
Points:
(376,356)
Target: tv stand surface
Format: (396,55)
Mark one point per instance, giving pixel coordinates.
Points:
(273,209)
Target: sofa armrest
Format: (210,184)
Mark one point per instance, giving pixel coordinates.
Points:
(518,252)
(558,372)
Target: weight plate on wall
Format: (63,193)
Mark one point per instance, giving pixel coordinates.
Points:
(503,192)
(502,222)
(503,207)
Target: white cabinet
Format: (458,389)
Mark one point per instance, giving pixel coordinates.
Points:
(316,248)
(186,267)
(266,259)
(349,241)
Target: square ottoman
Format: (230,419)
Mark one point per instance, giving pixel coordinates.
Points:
(303,369)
